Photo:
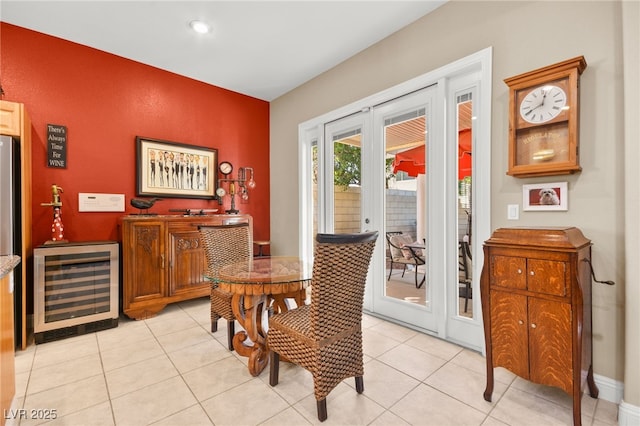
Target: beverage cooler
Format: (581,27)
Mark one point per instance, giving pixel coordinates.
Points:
(76,289)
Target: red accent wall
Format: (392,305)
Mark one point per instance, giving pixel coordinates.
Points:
(105,101)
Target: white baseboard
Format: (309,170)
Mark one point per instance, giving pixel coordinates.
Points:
(613,390)
(628,415)
(610,390)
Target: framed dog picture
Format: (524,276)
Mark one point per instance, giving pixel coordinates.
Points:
(545,197)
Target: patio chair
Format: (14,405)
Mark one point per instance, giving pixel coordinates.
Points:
(464,266)
(404,256)
(224,244)
(325,337)
(392,251)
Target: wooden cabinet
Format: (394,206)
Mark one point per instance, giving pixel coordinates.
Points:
(15,122)
(536,304)
(7,342)
(163,261)
(11,116)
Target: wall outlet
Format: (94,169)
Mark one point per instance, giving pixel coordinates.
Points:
(513,211)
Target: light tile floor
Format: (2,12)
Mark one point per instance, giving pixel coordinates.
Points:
(170,370)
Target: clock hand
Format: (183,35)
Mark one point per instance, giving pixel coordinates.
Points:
(544,95)
(533,109)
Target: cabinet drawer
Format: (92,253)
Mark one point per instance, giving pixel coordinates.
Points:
(509,272)
(547,276)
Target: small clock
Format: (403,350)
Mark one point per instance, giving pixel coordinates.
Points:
(544,120)
(225,168)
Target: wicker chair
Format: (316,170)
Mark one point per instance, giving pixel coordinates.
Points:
(325,337)
(224,244)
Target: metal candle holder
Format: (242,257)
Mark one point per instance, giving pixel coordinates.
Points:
(239,186)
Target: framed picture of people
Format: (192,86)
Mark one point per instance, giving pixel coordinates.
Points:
(175,170)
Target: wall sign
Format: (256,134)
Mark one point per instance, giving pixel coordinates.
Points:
(57,146)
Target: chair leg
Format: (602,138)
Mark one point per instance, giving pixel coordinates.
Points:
(231,331)
(359,384)
(322,409)
(274,367)
(404,269)
(466,296)
(214,322)
(424,278)
(390,270)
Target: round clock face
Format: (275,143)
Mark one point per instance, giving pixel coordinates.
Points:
(220,192)
(225,168)
(543,104)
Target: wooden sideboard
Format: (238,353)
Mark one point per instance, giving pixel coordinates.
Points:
(163,260)
(536,304)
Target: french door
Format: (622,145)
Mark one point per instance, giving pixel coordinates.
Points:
(409,162)
(404,133)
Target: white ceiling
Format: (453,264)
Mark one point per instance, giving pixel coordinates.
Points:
(258,48)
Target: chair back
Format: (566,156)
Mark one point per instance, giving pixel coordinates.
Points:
(340,266)
(225,244)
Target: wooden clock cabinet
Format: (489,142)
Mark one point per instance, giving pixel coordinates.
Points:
(536,304)
(163,260)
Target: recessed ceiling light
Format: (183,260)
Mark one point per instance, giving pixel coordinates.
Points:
(199,27)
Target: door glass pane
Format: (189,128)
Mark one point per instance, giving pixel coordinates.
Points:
(405,217)
(465,205)
(347,181)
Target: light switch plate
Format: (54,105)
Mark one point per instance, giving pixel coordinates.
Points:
(513,212)
(92,202)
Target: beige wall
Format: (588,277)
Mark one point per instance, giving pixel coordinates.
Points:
(631,42)
(524,36)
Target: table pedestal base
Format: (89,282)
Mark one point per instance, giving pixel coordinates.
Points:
(249,311)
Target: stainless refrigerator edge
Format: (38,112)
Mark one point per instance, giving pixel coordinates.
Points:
(11,214)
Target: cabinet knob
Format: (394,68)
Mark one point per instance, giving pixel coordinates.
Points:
(531,273)
(533,326)
(520,322)
(519,270)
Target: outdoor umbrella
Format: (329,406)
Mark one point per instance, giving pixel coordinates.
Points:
(412,161)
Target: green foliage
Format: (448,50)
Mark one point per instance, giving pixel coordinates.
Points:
(346,165)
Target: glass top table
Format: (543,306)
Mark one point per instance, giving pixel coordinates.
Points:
(261,286)
(266,270)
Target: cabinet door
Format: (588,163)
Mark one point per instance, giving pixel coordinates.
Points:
(10,118)
(509,333)
(187,262)
(7,346)
(547,276)
(550,343)
(508,271)
(145,261)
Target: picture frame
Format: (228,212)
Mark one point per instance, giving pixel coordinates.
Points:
(175,170)
(545,197)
